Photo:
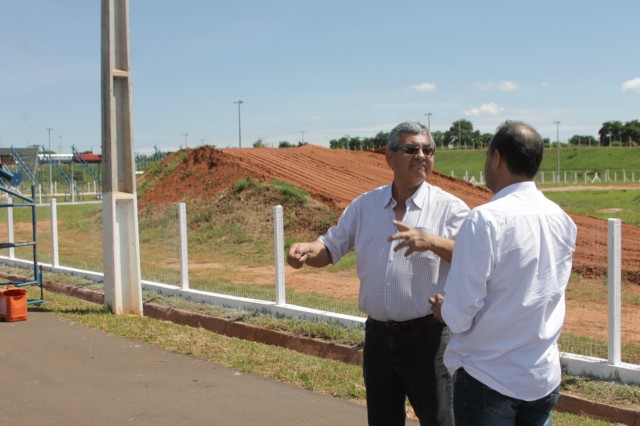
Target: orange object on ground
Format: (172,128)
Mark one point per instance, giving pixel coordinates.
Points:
(13,304)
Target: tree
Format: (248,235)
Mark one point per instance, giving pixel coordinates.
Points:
(284,144)
(459,134)
(438,138)
(379,140)
(342,143)
(485,139)
(259,143)
(610,131)
(630,131)
(582,140)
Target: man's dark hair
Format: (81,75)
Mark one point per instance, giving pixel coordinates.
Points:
(521,146)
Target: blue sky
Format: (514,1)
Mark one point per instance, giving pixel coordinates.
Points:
(319,70)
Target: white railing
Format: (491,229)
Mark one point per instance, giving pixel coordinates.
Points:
(575,364)
(565,177)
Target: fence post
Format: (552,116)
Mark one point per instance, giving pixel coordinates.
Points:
(10,235)
(184,246)
(278,247)
(55,261)
(614,287)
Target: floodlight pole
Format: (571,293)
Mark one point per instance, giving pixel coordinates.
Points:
(239,124)
(557,123)
(49,129)
(429,121)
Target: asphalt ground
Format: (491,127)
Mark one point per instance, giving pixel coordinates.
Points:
(54,372)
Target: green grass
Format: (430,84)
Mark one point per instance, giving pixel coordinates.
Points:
(608,391)
(603,204)
(347,262)
(572,158)
(573,343)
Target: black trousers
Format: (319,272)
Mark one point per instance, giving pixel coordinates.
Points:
(404,365)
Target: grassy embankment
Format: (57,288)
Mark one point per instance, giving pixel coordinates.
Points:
(574,159)
(605,203)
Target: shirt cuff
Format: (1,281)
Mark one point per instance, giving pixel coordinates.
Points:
(457,322)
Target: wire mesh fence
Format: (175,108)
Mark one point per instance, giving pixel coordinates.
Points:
(585,328)
(159,244)
(332,289)
(231,252)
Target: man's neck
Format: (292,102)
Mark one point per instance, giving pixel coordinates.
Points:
(402,194)
(510,181)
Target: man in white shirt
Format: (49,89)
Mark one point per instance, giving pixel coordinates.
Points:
(404,343)
(505,302)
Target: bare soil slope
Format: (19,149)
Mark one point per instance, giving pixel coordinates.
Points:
(335,177)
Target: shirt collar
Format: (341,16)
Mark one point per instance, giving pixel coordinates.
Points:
(417,197)
(515,187)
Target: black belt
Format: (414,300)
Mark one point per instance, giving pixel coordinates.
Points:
(397,327)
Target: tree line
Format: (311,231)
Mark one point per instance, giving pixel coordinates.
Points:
(462,135)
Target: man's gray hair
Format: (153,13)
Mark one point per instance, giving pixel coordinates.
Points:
(408,127)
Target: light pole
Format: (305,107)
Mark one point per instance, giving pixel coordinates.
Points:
(429,121)
(49,129)
(185,140)
(239,124)
(302,132)
(557,123)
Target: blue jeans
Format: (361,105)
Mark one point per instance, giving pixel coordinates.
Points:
(404,365)
(475,404)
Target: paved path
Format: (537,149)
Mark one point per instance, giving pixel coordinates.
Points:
(54,371)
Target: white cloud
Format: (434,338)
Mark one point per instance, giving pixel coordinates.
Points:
(423,87)
(485,109)
(508,86)
(631,85)
(505,86)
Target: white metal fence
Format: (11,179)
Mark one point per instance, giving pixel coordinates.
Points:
(594,341)
(566,177)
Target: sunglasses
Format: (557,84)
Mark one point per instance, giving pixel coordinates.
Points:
(413,150)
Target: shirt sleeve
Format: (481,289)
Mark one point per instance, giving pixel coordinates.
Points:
(466,286)
(340,239)
(459,212)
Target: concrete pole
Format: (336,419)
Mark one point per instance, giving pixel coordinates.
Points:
(121,246)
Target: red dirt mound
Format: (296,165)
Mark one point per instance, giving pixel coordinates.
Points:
(335,177)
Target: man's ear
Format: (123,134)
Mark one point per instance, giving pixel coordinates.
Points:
(496,159)
(388,155)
